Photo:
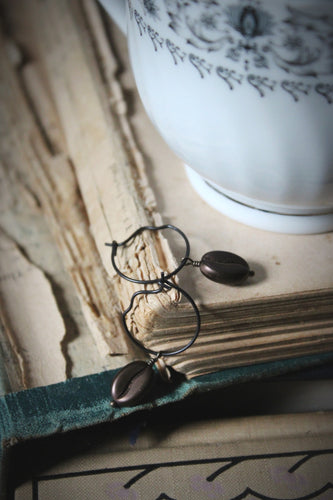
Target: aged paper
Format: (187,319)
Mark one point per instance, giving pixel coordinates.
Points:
(63,157)
(283,264)
(285,310)
(95,170)
(287,456)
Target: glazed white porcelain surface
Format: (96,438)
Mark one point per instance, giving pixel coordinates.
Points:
(242,91)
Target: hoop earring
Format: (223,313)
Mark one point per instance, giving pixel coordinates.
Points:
(133,382)
(115,246)
(165,285)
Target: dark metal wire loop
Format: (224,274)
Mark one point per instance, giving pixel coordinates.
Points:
(115,246)
(165,285)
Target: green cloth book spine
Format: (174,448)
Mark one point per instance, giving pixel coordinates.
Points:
(85,401)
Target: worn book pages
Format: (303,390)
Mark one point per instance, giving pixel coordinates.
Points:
(285,310)
(68,159)
(78,149)
(27,308)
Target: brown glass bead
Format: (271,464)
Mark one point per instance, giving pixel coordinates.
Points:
(132,383)
(224,267)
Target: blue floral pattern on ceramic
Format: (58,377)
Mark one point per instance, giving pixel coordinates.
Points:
(245,33)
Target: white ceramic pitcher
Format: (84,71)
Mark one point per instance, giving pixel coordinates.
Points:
(242,92)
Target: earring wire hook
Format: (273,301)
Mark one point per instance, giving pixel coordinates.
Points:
(115,246)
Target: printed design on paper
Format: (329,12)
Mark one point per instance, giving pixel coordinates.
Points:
(296,475)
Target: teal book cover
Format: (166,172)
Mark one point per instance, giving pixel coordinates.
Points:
(86,401)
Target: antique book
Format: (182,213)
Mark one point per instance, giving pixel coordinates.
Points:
(275,456)
(81,165)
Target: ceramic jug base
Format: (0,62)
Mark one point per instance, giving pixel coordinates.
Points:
(258,218)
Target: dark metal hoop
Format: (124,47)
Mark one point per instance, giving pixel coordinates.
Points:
(183,262)
(165,285)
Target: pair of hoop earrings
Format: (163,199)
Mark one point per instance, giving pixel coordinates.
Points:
(134,381)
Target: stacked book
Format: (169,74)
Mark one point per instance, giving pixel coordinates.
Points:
(81,165)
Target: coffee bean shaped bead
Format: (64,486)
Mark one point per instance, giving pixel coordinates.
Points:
(224,267)
(132,383)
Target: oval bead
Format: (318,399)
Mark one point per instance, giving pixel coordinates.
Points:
(225,267)
(132,383)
